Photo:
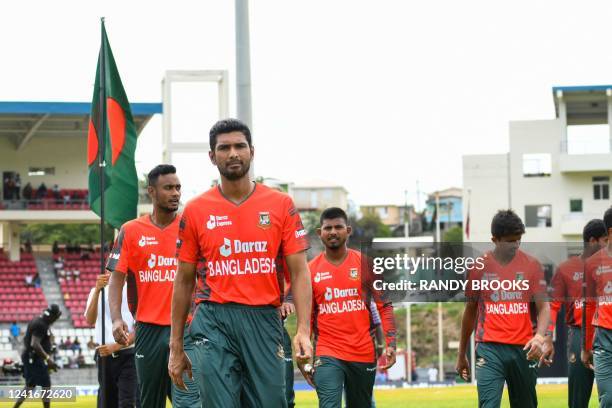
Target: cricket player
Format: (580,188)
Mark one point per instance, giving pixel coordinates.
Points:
(507,347)
(598,331)
(238,228)
(342,321)
(146,248)
(567,290)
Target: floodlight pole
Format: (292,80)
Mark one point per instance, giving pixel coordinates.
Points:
(243,68)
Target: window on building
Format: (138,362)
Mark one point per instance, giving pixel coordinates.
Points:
(539,216)
(576,205)
(41,171)
(314,202)
(327,195)
(537,165)
(382,212)
(601,187)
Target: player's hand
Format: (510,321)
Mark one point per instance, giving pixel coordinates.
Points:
(108,349)
(587,359)
(534,347)
(120,332)
(286,309)
(548,352)
(102,281)
(463,367)
(302,347)
(390,354)
(307,371)
(177,364)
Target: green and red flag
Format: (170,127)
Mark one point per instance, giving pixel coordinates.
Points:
(111,145)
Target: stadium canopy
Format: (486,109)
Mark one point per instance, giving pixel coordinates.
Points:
(585,105)
(21,121)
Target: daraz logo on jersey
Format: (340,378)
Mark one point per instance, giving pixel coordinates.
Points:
(242,247)
(321,276)
(215,221)
(329,294)
(147,241)
(152,261)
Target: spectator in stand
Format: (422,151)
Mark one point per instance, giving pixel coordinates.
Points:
(15,332)
(68,344)
(7,190)
(57,194)
(17,186)
(66,198)
(37,280)
(81,359)
(76,345)
(55,249)
(432,374)
(91,344)
(76,273)
(41,192)
(9,186)
(29,281)
(27,192)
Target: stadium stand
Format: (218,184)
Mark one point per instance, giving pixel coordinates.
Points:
(79,277)
(68,199)
(18,301)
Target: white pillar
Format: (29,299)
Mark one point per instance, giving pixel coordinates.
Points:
(563,119)
(14,241)
(408,343)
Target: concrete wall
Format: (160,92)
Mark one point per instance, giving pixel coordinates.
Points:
(67,154)
(486,177)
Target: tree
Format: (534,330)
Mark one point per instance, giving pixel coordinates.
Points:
(453,235)
(366,229)
(64,233)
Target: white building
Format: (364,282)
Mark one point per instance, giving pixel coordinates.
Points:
(556,175)
(318,195)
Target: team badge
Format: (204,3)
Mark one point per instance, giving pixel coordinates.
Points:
(354,273)
(264,220)
(480,362)
(520,276)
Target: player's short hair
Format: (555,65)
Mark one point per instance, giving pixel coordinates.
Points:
(607,219)
(159,170)
(227,126)
(594,229)
(331,213)
(505,223)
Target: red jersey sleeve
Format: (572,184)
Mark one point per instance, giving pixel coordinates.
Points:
(294,237)
(118,261)
(591,299)
(188,245)
(383,304)
(558,294)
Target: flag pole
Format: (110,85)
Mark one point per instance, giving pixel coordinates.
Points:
(101,167)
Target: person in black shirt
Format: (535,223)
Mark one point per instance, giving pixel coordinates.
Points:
(36,357)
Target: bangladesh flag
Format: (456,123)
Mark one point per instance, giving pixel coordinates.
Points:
(111,144)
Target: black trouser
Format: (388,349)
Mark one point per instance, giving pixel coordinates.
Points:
(289,392)
(121,383)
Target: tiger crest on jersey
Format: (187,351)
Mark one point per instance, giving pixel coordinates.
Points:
(354,273)
(264,220)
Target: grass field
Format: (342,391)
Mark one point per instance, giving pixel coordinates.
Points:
(549,396)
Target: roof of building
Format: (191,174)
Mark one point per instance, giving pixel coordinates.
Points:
(585,104)
(317,184)
(21,121)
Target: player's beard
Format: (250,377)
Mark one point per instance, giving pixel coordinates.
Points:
(336,244)
(234,175)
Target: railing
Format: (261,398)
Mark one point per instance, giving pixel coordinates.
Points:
(44,204)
